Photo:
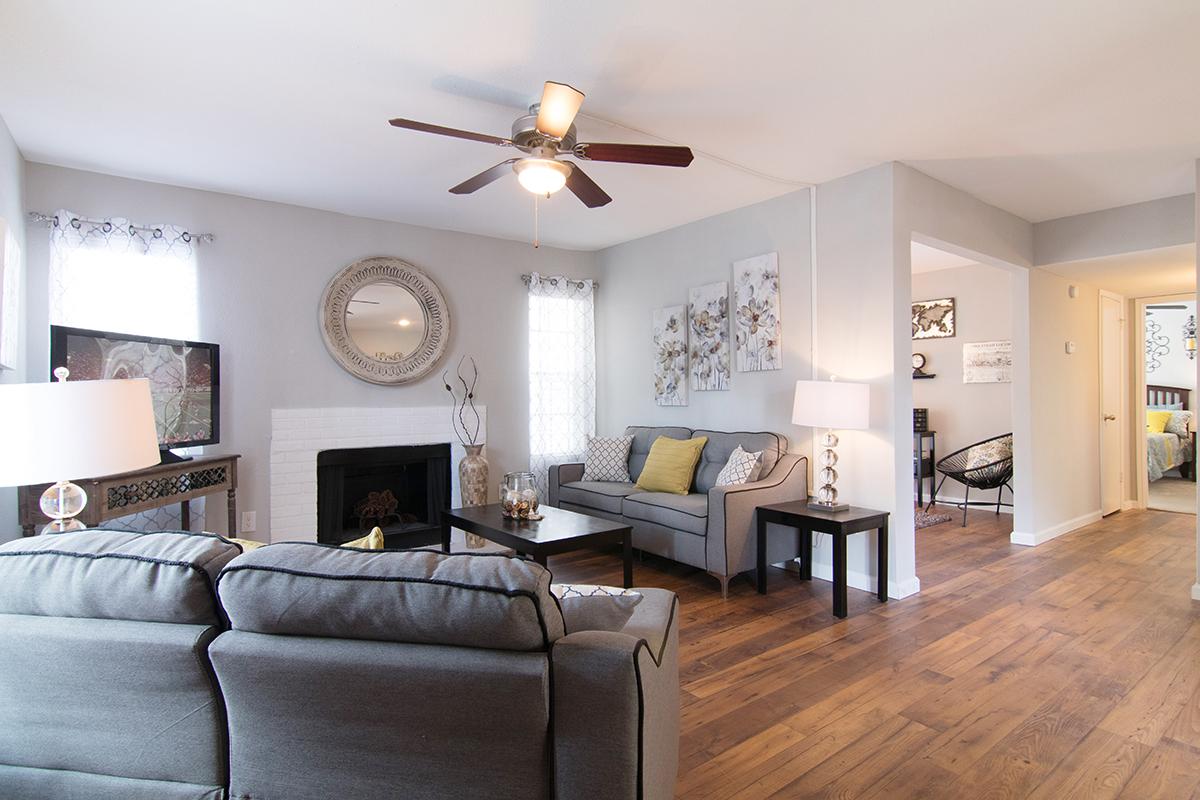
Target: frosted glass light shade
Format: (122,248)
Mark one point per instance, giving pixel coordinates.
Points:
(542,175)
(75,429)
(560,103)
(832,404)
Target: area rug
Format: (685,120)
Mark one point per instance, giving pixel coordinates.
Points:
(925,520)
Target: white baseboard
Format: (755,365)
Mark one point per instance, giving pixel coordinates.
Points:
(1132,505)
(865,582)
(1039,537)
(947,500)
(1196,591)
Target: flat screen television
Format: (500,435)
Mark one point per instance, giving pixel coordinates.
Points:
(185,377)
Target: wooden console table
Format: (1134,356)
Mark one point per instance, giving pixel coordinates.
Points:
(162,485)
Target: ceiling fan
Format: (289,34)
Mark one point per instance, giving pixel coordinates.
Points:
(544,134)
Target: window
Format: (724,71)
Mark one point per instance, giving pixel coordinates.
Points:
(562,372)
(111,275)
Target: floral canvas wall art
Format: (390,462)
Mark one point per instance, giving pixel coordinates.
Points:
(709,332)
(671,356)
(757,322)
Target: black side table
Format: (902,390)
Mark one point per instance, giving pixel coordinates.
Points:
(839,524)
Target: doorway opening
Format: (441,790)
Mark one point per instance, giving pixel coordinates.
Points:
(1147,321)
(964,313)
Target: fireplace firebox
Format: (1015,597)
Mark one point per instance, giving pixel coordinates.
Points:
(400,489)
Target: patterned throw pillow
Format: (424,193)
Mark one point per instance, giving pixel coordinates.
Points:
(989,452)
(595,608)
(742,467)
(607,458)
(1178,424)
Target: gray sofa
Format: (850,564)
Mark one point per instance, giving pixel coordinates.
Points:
(711,528)
(169,666)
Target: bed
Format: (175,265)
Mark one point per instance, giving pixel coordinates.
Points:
(1166,451)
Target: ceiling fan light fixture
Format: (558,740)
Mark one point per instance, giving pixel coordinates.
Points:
(559,105)
(542,176)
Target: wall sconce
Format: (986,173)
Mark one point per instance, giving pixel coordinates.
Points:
(1189,337)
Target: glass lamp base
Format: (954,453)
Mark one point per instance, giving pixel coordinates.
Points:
(61,502)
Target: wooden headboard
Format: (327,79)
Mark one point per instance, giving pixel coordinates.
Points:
(1166,395)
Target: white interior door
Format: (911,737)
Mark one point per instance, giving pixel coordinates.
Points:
(1112,385)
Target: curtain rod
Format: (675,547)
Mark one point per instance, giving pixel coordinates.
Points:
(526,278)
(49,220)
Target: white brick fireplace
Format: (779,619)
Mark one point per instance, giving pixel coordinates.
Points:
(298,434)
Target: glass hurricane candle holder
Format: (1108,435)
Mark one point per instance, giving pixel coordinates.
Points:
(519,496)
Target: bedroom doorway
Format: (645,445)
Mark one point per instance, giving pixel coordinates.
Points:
(1166,396)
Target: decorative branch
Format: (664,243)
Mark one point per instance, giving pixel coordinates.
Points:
(458,411)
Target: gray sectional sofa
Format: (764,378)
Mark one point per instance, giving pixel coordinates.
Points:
(712,527)
(170,666)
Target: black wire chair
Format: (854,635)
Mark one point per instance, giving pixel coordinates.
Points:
(960,465)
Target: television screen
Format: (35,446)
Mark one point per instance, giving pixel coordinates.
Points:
(184,377)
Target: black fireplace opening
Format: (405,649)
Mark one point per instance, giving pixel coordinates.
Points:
(400,489)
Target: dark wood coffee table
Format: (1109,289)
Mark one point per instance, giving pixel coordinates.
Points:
(558,532)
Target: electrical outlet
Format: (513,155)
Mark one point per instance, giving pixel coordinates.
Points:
(249,521)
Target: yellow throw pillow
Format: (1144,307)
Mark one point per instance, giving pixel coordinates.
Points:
(1156,421)
(671,464)
(372,541)
(247,544)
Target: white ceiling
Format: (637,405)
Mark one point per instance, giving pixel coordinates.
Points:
(1149,273)
(1045,109)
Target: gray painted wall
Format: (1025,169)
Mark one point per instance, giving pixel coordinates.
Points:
(965,413)
(12,211)
(260,284)
(1126,229)
(656,271)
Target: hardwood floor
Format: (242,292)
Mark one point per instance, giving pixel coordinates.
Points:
(1070,670)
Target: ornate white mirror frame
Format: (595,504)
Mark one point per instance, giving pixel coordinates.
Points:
(334,330)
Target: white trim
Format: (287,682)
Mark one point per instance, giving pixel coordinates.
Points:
(1041,537)
(943,499)
(1196,591)
(867,583)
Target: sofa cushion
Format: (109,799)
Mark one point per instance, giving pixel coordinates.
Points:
(111,574)
(721,445)
(601,495)
(683,512)
(417,596)
(643,438)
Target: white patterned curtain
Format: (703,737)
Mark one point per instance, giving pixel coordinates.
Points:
(114,275)
(562,372)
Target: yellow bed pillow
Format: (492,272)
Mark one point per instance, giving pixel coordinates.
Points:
(671,464)
(1156,421)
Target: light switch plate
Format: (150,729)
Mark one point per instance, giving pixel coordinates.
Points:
(249,521)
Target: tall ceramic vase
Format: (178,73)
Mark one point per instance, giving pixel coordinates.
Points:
(473,484)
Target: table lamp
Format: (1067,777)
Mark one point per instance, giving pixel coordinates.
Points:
(831,404)
(84,429)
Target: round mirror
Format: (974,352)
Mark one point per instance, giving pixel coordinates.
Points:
(384,321)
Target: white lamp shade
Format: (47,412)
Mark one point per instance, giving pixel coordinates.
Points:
(832,404)
(75,429)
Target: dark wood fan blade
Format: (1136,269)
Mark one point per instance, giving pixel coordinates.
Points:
(660,155)
(425,127)
(484,178)
(586,189)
